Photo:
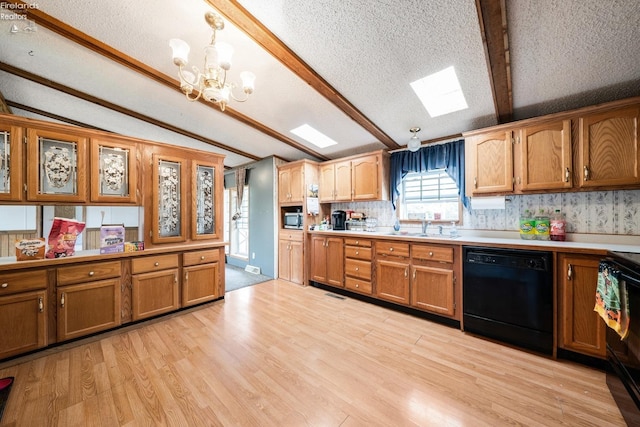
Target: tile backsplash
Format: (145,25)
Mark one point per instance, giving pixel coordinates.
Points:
(595,212)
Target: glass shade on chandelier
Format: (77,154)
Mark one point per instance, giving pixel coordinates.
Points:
(414,143)
(211,83)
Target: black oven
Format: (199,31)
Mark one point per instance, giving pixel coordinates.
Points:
(623,355)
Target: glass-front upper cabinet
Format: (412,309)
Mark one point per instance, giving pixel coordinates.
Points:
(169,199)
(113,171)
(203,189)
(11,177)
(56,166)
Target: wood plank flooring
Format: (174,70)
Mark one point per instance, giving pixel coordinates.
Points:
(278,354)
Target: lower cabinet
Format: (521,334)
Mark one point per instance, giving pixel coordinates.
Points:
(327,260)
(581,329)
(433,279)
(154,285)
(23,317)
(291,257)
(358,270)
(88,298)
(392,271)
(201,276)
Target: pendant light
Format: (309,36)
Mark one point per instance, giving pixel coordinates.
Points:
(414,143)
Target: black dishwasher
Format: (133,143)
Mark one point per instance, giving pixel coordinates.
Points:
(508,296)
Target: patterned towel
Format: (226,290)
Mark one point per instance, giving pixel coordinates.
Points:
(611,299)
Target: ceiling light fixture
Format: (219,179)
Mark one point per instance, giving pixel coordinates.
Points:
(414,143)
(211,84)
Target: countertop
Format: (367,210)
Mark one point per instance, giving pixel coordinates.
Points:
(592,243)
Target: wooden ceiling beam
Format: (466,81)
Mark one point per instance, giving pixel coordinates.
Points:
(492,17)
(241,18)
(85,40)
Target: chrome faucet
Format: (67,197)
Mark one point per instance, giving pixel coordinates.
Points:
(425,226)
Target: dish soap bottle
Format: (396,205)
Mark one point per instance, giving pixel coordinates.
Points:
(542,226)
(453,232)
(558,230)
(396,225)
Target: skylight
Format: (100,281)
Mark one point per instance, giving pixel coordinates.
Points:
(313,136)
(440,92)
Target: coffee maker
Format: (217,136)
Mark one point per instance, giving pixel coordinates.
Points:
(339,220)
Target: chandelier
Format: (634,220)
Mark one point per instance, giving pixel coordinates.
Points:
(210,84)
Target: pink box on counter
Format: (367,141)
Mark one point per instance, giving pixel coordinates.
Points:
(112,239)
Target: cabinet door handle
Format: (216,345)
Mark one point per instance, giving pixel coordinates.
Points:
(186,276)
(40,305)
(91,273)
(567,175)
(406,272)
(175,277)
(475,182)
(4,285)
(586,173)
(414,274)
(62,300)
(569,272)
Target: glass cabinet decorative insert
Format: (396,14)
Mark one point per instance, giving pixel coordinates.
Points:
(114,172)
(169,194)
(10,163)
(204,192)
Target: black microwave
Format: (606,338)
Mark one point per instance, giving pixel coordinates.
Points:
(293,220)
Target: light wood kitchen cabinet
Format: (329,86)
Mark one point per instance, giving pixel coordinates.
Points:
(201,276)
(89,298)
(291,256)
(610,148)
(335,182)
(392,271)
(358,270)
(581,329)
(11,170)
(433,279)
(155,284)
(56,166)
(489,162)
(545,156)
(169,194)
(114,171)
(291,183)
(327,260)
(355,178)
(23,312)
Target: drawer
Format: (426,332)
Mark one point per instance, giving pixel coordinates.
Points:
(392,248)
(11,283)
(363,286)
(357,268)
(357,252)
(291,235)
(432,253)
(88,272)
(200,257)
(154,263)
(358,242)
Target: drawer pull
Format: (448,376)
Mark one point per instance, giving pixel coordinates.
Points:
(4,285)
(357,268)
(430,253)
(202,258)
(390,249)
(357,285)
(40,305)
(156,264)
(91,273)
(357,242)
(357,252)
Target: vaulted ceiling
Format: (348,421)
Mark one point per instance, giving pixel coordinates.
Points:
(342,66)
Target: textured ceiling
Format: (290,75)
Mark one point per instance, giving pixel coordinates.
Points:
(563,54)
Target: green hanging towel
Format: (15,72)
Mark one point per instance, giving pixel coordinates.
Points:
(611,299)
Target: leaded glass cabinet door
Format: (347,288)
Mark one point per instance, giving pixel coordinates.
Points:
(204,210)
(169,199)
(11,176)
(56,166)
(113,171)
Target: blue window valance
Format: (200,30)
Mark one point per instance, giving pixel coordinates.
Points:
(448,156)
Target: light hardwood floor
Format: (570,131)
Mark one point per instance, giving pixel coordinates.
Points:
(278,354)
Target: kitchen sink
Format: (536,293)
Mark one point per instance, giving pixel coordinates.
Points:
(425,235)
